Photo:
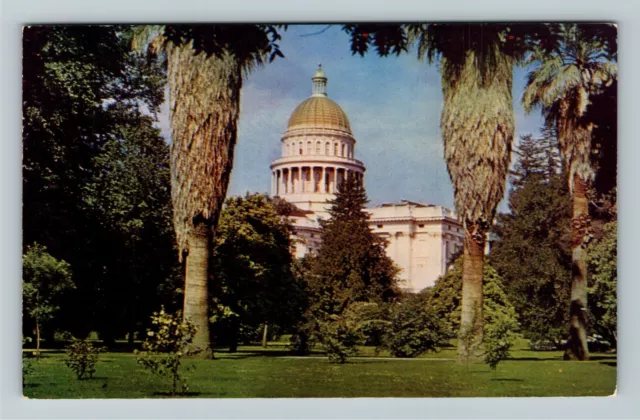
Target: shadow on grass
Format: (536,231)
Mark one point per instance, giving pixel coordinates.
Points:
(507,380)
(177,394)
(612,364)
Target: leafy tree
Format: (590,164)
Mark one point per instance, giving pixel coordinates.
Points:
(603,256)
(205,67)
(84,130)
(578,66)
(351,264)
(44,280)
(536,156)
(252,265)
(128,197)
(414,329)
(532,255)
(445,297)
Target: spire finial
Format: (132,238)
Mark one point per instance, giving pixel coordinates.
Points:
(319,82)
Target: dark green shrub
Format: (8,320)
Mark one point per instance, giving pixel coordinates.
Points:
(339,339)
(82,358)
(414,329)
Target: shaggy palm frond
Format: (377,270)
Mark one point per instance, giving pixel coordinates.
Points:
(561,85)
(205,106)
(205,67)
(477,123)
(477,127)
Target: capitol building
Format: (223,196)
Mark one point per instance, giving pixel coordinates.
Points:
(318,152)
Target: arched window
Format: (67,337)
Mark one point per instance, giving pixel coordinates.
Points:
(308,147)
(300,147)
(343,149)
(317,148)
(287,152)
(335,149)
(326,148)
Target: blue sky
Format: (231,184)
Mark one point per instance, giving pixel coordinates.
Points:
(393,104)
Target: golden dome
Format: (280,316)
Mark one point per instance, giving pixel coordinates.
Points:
(319,112)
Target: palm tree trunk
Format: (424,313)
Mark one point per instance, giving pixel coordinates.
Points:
(577,345)
(196,292)
(471,320)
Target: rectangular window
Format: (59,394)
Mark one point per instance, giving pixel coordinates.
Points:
(379,226)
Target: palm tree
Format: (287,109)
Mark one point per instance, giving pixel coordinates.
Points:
(477,124)
(205,68)
(567,74)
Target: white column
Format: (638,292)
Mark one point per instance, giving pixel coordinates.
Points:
(332,183)
(293,180)
(323,181)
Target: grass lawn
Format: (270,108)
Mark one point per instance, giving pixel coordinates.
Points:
(255,373)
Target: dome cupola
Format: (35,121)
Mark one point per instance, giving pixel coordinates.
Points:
(319,111)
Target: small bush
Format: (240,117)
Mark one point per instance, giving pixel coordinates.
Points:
(370,321)
(499,336)
(166,343)
(414,329)
(339,340)
(82,358)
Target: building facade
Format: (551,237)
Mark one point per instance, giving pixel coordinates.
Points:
(318,152)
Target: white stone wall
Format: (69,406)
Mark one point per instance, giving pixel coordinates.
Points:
(421,240)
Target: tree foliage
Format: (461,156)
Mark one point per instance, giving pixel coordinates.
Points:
(414,328)
(351,266)
(44,280)
(445,298)
(254,283)
(532,255)
(603,265)
(95,173)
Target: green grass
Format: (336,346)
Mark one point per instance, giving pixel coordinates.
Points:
(256,373)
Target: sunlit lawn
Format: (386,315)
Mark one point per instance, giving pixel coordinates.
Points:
(255,373)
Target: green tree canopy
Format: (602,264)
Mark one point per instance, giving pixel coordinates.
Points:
(445,298)
(44,280)
(95,181)
(532,255)
(603,265)
(351,264)
(253,269)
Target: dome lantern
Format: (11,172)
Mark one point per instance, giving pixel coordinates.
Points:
(319,82)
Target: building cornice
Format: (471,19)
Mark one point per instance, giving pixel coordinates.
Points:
(404,219)
(320,160)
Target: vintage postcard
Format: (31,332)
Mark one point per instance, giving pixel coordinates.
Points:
(331,210)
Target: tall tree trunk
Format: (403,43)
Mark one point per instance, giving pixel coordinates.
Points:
(580,224)
(37,340)
(196,293)
(471,320)
(264,334)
